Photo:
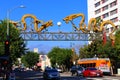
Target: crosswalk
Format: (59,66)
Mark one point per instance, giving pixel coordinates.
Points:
(104,78)
(101,79)
(90,78)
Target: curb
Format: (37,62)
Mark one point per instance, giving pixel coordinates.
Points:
(116,75)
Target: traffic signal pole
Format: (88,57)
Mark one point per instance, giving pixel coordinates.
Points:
(8,67)
(7,46)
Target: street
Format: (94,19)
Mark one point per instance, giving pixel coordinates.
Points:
(36,75)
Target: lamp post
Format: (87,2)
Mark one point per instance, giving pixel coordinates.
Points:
(7,52)
(59,24)
(73,53)
(7,45)
(8,16)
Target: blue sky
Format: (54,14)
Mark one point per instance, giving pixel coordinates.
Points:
(46,10)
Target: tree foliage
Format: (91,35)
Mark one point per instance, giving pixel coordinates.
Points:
(61,57)
(17,45)
(30,59)
(117,39)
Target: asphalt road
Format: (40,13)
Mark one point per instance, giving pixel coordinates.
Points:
(37,75)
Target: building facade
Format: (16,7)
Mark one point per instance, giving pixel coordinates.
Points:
(44,62)
(106,10)
(36,50)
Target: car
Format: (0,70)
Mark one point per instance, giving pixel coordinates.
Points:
(1,72)
(92,72)
(59,70)
(77,70)
(80,71)
(17,70)
(51,74)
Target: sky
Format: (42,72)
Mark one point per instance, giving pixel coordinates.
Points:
(46,10)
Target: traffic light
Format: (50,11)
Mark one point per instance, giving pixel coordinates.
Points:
(7,45)
(4,62)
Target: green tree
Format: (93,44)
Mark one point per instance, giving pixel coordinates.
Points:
(91,50)
(61,56)
(53,55)
(83,52)
(116,49)
(117,40)
(30,59)
(17,45)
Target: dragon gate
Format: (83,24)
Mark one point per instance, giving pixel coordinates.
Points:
(83,32)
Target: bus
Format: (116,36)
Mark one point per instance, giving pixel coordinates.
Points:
(102,64)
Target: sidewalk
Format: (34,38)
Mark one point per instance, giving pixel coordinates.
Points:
(116,75)
(65,74)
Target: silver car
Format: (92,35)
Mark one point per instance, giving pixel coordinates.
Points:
(77,70)
(80,71)
(51,74)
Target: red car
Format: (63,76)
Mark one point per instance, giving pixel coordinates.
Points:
(92,72)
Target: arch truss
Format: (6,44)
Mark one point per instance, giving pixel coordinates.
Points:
(59,36)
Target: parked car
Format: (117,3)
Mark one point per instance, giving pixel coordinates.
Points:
(77,70)
(51,74)
(80,71)
(17,70)
(92,72)
(59,70)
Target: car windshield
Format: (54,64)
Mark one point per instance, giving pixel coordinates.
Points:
(92,68)
(73,67)
(51,70)
(80,68)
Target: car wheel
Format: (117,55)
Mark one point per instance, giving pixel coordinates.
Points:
(59,79)
(44,78)
(71,74)
(84,75)
(88,75)
(77,74)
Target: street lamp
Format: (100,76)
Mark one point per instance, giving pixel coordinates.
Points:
(59,24)
(7,45)
(8,15)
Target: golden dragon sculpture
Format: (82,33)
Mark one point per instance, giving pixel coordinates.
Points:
(36,22)
(91,25)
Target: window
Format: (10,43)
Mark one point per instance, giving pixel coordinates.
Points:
(103,1)
(114,19)
(97,4)
(105,15)
(117,27)
(105,8)
(112,28)
(113,4)
(107,30)
(88,65)
(113,12)
(97,11)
